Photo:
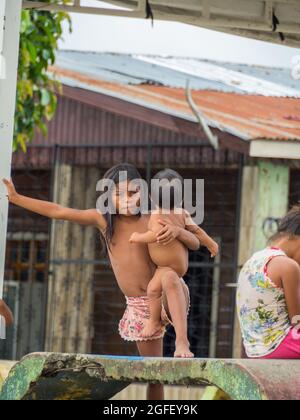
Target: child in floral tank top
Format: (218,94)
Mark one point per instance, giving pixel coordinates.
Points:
(268,296)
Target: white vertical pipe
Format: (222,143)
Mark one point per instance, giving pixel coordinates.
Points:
(2,14)
(8,81)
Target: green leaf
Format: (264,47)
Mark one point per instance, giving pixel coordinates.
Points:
(45,97)
(32,51)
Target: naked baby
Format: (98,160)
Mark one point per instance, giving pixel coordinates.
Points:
(171,258)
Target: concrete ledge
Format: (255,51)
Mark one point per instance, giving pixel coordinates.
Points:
(46,376)
(5,367)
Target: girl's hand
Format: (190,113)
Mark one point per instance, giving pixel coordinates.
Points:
(213,248)
(6,313)
(12,193)
(134,239)
(168,233)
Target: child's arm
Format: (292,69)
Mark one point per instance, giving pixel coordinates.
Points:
(167,235)
(203,237)
(6,313)
(289,272)
(143,238)
(54,211)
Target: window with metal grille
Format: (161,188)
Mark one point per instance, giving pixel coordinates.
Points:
(26,260)
(26,267)
(25,292)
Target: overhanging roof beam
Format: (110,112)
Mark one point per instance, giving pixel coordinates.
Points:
(206,13)
(179,11)
(229,23)
(256,19)
(76,7)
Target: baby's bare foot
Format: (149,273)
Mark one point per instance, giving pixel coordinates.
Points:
(151,329)
(183,350)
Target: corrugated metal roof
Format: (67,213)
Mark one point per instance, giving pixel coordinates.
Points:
(174,72)
(251,116)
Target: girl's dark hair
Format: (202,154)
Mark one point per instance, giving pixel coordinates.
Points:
(157,196)
(113,174)
(289,225)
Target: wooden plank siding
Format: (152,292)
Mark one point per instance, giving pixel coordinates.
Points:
(70,293)
(78,125)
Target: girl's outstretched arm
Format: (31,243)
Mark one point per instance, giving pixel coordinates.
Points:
(55,211)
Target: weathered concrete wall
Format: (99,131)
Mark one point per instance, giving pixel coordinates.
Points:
(45,376)
(265,193)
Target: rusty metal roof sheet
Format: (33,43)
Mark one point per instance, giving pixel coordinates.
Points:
(248,116)
(174,72)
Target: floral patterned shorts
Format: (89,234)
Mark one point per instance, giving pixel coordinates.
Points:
(136,315)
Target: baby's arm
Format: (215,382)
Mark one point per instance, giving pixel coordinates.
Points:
(54,211)
(203,237)
(164,233)
(289,272)
(143,238)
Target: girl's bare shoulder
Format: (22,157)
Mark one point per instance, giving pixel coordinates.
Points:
(283,265)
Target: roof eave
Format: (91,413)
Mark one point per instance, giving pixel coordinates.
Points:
(275,149)
(153,116)
(159,108)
